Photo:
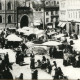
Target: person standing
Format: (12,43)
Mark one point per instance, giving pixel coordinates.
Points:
(21,76)
(44,66)
(50,52)
(55,64)
(35,74)
(17,55)
(32,64)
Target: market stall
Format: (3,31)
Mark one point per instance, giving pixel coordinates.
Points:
(36,48)
(13,40)
(52,44)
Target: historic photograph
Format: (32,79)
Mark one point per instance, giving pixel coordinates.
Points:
(39,39)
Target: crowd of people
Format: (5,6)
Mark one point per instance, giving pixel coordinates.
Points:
(45,64)
(70,57)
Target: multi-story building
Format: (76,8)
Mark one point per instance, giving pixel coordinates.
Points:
(38,14)
(52,12)
(70,15)
(18,13)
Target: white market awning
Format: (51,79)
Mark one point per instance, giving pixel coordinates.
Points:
(13,37)
(63,24)
(51,43)
(60,23)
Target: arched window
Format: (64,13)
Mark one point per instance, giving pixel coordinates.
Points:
(54,2)
(9,19)
(57,2)
(9,5)
(0,19)
(0,6)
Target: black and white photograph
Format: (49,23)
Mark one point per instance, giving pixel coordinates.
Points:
(39,39)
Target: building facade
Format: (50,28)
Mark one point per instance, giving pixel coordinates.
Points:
(18,13)
(70,15)
(52,12)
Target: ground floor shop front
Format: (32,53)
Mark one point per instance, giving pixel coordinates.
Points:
(70,26)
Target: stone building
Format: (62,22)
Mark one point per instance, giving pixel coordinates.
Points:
(17,13)
(52,12)
(70,15)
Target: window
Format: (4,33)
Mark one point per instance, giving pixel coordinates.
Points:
(57,2)
(56,12)
(78,29)
(51,19)
(54,2)
(0,6)
(0,19)
(56,19)
(9,19)
(46,3)
(39,9)
(9,5)
(51,12)
(68,14)
(47,19)
(47,13)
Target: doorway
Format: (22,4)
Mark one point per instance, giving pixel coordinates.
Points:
(24,21)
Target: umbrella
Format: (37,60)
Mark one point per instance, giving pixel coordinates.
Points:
(13,37)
